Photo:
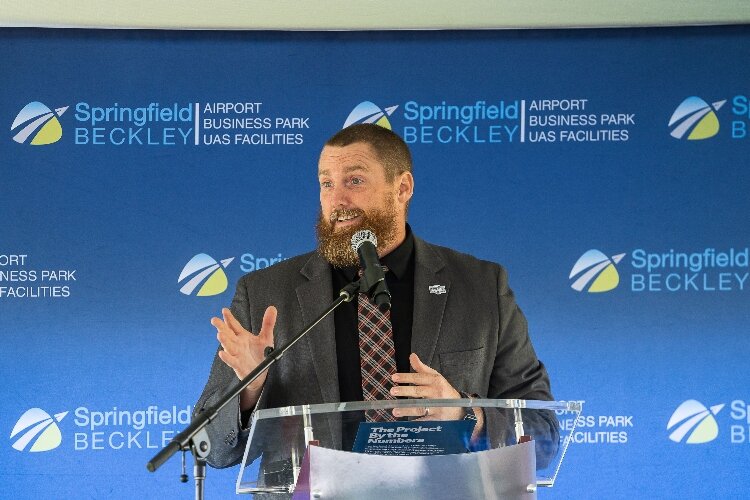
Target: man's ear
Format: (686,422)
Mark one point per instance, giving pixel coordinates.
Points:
(405,187)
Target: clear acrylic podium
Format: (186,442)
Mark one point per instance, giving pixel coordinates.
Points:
(306,451)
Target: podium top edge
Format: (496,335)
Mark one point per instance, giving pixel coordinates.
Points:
(288,411)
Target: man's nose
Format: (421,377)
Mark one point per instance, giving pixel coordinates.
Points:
(339,197)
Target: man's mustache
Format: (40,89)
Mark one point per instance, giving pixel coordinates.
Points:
(336,213)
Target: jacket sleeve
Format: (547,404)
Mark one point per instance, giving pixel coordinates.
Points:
(518,374)
(227,436)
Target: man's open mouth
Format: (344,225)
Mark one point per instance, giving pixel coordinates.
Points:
(345,215)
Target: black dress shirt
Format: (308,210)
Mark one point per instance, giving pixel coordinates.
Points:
(400,280)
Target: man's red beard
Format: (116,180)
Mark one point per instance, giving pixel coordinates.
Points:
(335,246)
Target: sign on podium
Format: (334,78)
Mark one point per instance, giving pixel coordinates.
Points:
(458,448)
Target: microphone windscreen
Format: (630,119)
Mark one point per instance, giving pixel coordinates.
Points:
(361,236)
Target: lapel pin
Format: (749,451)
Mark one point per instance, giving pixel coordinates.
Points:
(437,289)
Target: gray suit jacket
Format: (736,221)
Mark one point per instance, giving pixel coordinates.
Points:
(474,335)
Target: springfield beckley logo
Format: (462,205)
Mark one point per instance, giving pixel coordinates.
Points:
(368,112)
(595,272)
(36,431)
(207,273)
(696,119)
(696,422)
(38,123)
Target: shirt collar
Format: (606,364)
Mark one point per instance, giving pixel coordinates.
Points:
(398,260)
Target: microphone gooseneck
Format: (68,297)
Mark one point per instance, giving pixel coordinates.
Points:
(365,243)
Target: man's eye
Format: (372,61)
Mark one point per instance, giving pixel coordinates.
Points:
(326,184)
(357,181)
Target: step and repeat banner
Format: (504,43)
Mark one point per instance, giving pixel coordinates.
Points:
(142,173)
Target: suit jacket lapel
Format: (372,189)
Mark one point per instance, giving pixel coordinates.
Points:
(314,295)
(429,306)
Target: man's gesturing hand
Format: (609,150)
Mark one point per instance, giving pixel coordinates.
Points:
(426,384)
(242,351)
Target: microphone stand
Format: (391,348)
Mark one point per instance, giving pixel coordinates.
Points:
(194,437)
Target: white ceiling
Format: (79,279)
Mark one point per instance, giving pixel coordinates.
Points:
(369,14)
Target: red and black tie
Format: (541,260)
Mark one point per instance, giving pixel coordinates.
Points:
(377,355)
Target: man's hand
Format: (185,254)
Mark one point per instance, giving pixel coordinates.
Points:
(426,384)
(242,351)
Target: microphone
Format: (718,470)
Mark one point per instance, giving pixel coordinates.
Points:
(365,244)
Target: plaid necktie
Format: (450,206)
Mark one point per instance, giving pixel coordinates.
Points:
(377,354)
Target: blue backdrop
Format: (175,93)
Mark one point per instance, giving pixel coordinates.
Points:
(126,154)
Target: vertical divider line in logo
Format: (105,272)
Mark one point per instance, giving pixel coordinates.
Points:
(523,120)
(197,121)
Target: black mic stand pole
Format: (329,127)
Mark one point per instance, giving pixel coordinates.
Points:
(194,437)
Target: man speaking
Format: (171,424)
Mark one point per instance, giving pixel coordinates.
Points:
(453,329)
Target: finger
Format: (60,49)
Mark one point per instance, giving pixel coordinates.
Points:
(227,339)
(269,321)
(228,359)
(418,366)
(410,412)
(218,323)
(427,418)
(413,391)
(415,378)
(232,322)
(223,333)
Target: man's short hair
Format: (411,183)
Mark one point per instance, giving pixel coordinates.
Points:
(390,149)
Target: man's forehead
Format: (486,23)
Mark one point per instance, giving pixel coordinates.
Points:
(357,156)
